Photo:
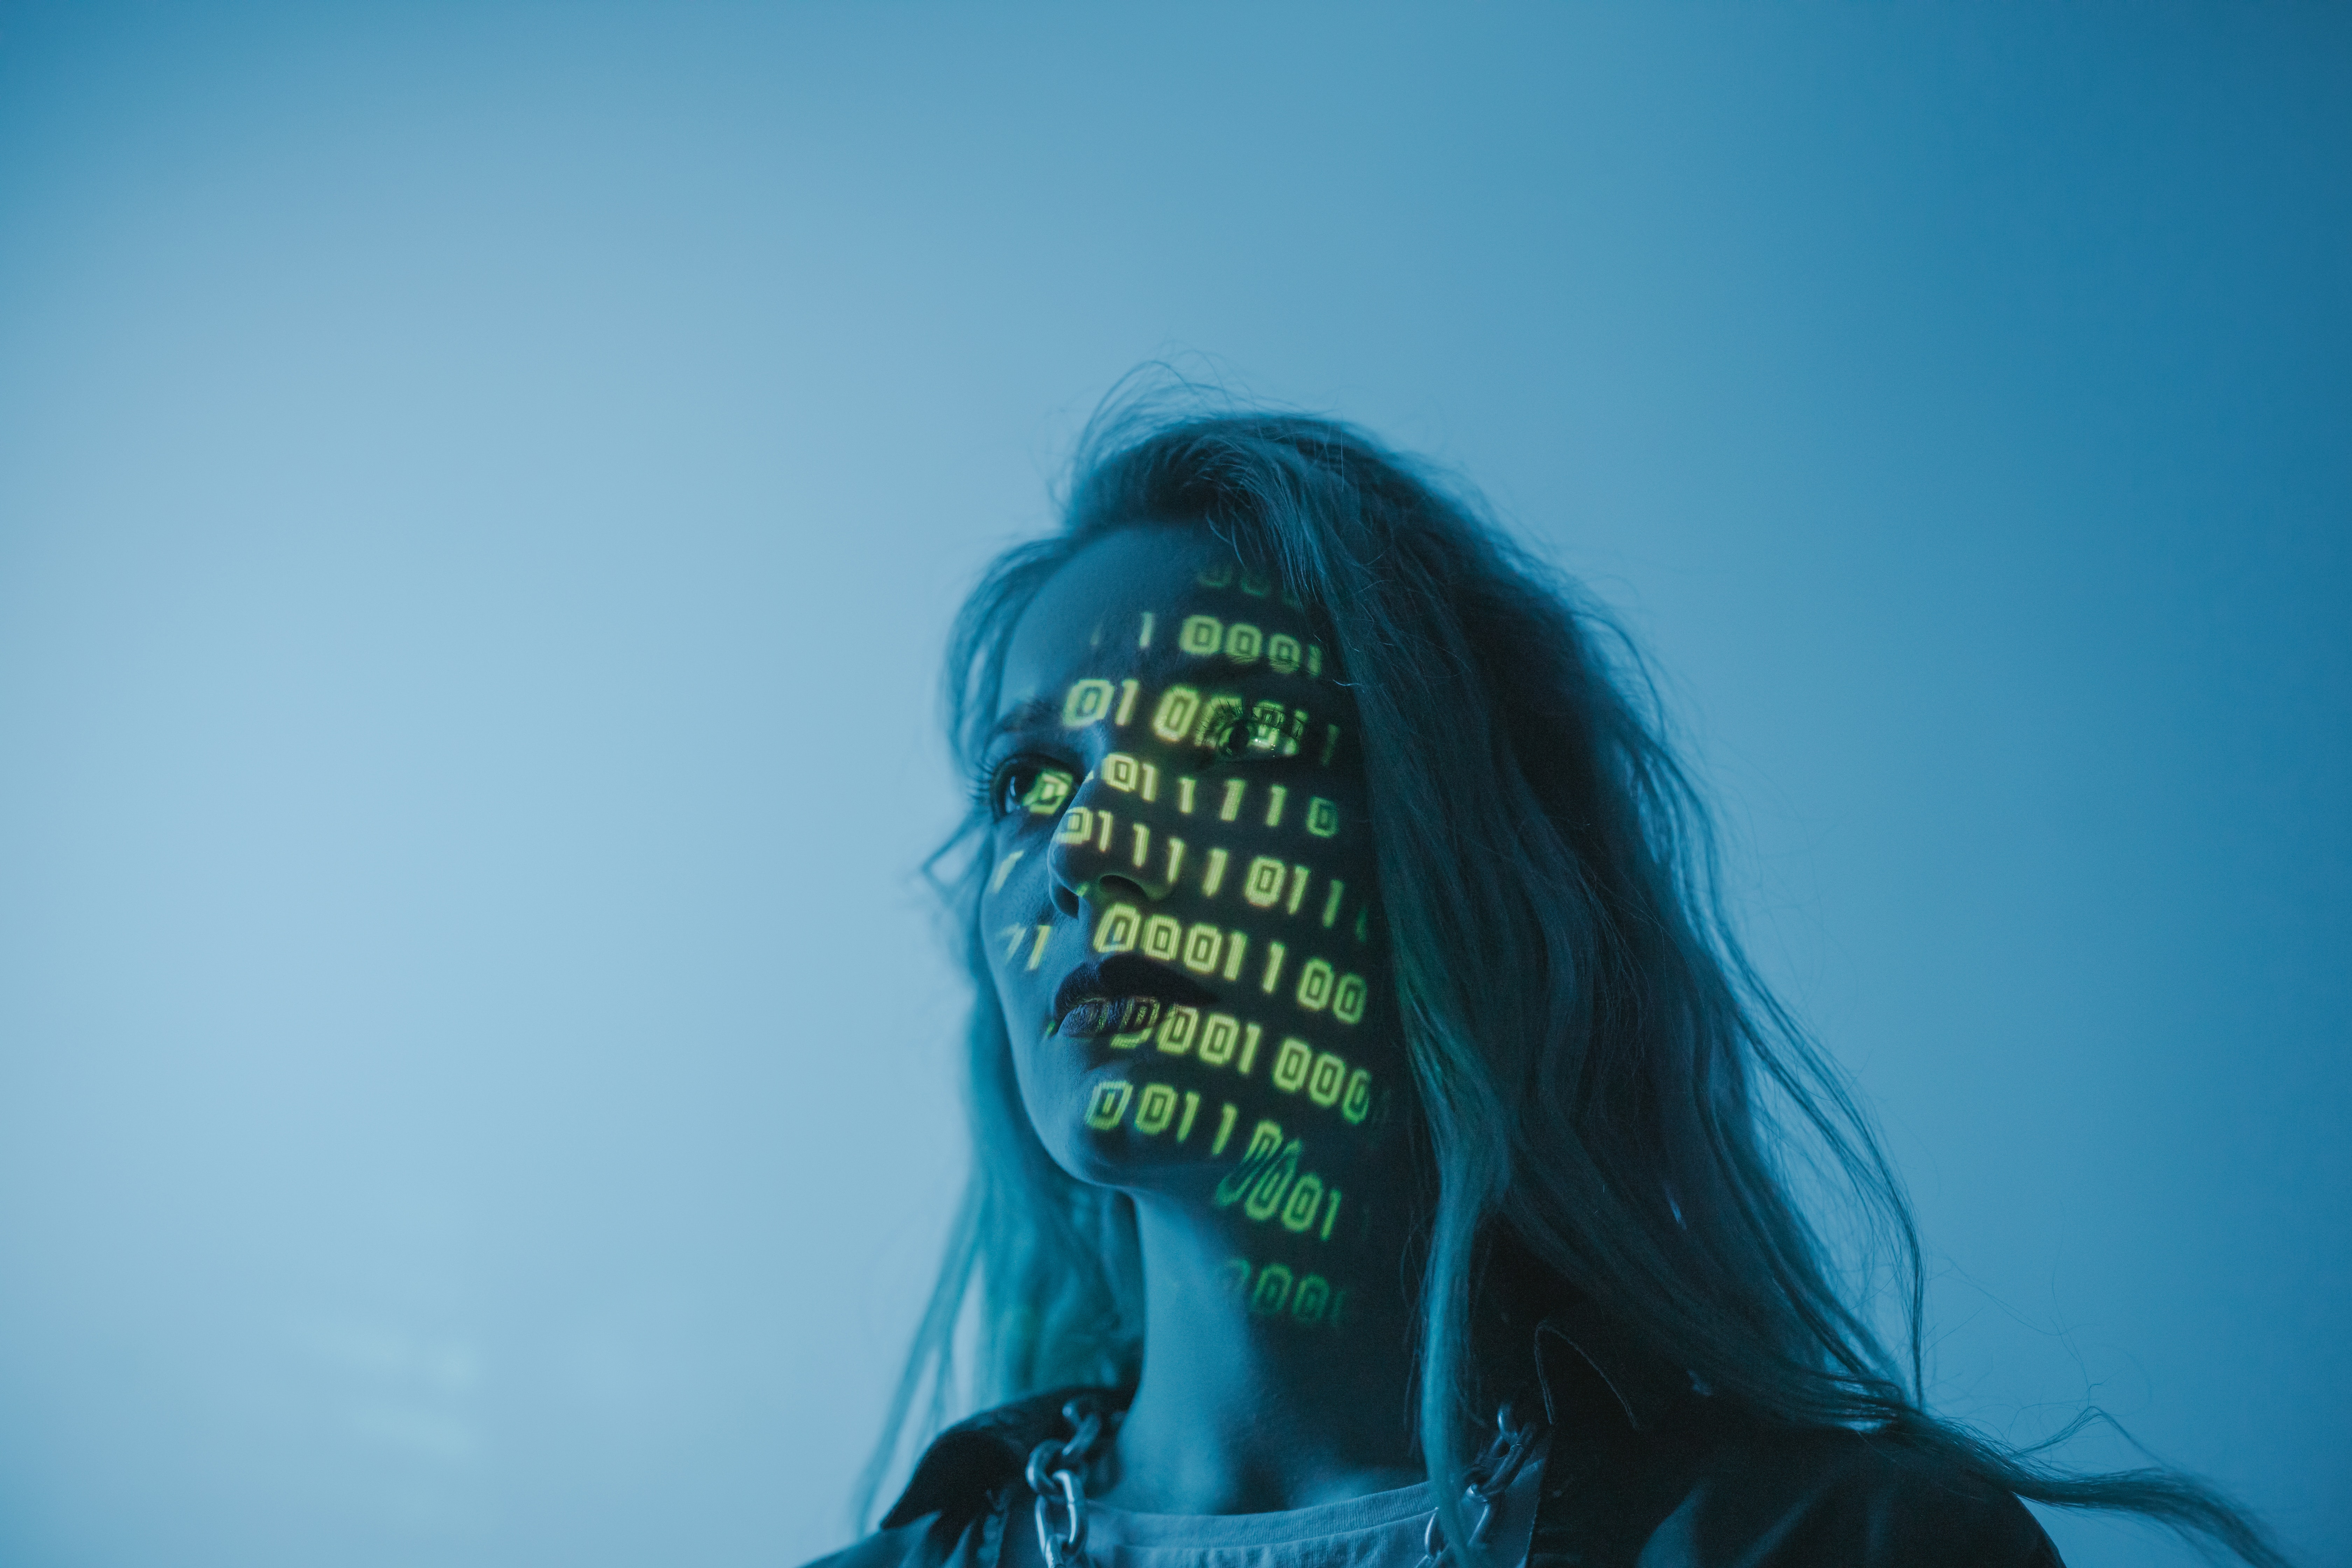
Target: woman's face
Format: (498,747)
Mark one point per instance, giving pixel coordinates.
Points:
(1179,912)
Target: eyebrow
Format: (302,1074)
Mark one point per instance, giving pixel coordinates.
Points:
(1028,714)
(1036,712)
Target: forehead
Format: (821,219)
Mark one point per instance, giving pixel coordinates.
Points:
(1090,617)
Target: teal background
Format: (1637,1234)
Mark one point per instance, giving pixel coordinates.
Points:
(481,490)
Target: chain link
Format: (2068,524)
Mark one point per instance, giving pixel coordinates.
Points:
(1488,1480)
(1056,1473)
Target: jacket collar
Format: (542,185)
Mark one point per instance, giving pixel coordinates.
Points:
(1590,1372)
(1592,1369)
(970,1460)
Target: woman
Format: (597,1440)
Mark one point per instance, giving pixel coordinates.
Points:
(1369,1102)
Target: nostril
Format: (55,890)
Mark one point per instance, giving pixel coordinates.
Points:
(1066,898)
(1118,887)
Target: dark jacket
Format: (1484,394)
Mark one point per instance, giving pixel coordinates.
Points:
(1641,1470)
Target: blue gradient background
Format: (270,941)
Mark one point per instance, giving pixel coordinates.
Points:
(481,490)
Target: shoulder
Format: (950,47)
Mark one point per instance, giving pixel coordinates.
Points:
(1648,1470)
(951,1509)
(1790,1496)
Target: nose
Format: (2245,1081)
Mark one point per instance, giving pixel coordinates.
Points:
(1107,850)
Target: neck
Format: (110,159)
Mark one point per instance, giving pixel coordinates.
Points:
(1250,1411)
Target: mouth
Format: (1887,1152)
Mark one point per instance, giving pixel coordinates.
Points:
(1121,995)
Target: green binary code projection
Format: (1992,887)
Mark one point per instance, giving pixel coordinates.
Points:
(1210,834)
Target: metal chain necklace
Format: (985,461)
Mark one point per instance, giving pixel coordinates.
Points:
(1487,1479)
(1057,1472)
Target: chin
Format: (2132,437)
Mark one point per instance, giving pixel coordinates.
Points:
(1111,1123)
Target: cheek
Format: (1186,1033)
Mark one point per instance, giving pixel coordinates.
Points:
(1014,907)
(1260,890)
(1028,948)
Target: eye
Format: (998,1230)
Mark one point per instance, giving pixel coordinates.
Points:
(1270,730)
(1026,785)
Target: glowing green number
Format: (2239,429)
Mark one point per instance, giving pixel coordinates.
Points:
(1359,1097)
(1217,574)
(1157,1109)
(1305,1194)
(1172,720)
(1264,1200)
(1347,1001)
(1117,933)
(1243,642)
(1109,1103)
(1176,1031)
(1290,1064)
(1144,1013)
(1322,817)
(1282,653)
(1314,986)
(1264,1138)
(1306,1302)
(1201,635)
(1266,725)
(1218,1037)
(1264,887)
(1121,772)
(1323,1083)
(1046,796)
(1201,945)
(1161,937)
(1078,826)
(1086,702)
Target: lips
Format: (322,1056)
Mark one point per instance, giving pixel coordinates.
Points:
(1121,995)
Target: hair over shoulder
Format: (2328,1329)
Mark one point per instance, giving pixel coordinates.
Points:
(1610,1100)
